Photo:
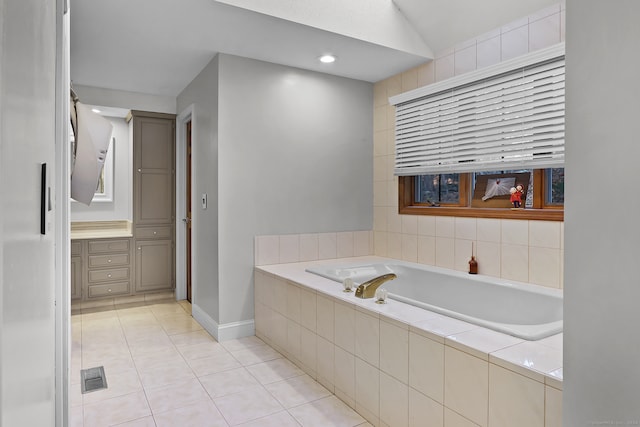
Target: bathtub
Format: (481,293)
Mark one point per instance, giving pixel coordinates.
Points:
(525,311)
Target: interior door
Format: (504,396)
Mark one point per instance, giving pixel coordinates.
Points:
(188,210)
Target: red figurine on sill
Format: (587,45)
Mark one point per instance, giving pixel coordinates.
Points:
(516,196)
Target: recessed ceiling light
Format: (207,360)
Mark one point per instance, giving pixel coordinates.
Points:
(327,59)
(95,110)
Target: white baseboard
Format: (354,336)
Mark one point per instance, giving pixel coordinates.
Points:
(224,332)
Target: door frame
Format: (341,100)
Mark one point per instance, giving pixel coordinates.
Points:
(188,114)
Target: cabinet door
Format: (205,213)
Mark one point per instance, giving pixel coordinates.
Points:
(76,277)
(154,265)
(153,153)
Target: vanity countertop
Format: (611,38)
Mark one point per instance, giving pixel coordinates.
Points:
(100,229)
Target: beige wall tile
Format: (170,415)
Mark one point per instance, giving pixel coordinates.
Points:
(345,373)
(380,193)
(445,226)
(394,351)
(410,79)
(426,366)
(514,42)
(462,254)
(367,388)
(379,218)
(380,93)
(344,244)
(289,248)
(489,230)
(394,221)
(465,228)
(544,32)
(514,262)
(394,85)
(445,67)
(267,250)
(361,243)
(544,266)
(308,309)
(514,400)
(515,232)
(424,411)
(409,224)
(488,52)
(367,338)
(451,419)
(426,74)
(394,245)
(325,363)
(410,247)
(544,234)
(445,252)
(293,302)
(380,243)
(427,225)
(308,350)
(465,59)
(466,385)
(427,250)
(325,317)
(309,247)
(327,245)
(553,407)
(293,339)
(344,326)
(394,401)
(488,256)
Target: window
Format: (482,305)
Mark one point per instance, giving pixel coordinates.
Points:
(453,195)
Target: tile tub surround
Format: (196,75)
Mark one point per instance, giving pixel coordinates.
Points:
(398,365)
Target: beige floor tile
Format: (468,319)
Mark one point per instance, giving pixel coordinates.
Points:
(75,417)
(154,345)
(250,404)
(327,412)
(258,354)
(192,338)
(297,391)
(179,324)
(166,308)
(75,395)
(274,370)
(117,410)
(148,361)
(112,364)
(242,343)
(176,395)
(140,422)
(199,351)
(281,419)
(212,364)
(201,414)
(228,382)
(168,375)
(120,384)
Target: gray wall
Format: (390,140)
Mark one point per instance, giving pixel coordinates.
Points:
(296,156)
(602,232)
(292,154)
(120,208)
(202,92)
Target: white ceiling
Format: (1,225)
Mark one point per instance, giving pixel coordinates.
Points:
(159,46)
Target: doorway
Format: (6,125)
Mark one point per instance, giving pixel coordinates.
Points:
(185,170)
(188,209)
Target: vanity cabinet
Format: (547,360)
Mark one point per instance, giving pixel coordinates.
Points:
(153,200)
(100,268)
(76,270)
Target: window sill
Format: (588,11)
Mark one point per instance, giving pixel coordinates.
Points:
(527,214)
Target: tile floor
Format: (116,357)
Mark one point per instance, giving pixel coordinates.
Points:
(164,370)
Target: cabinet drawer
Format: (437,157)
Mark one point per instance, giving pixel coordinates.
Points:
(108,289)
(105,246)
(159,232)
(109,274)
(76,248)
(111,260)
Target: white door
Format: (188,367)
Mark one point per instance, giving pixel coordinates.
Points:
(27,257)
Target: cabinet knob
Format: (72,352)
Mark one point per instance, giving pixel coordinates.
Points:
(154,233)
(139,170)
(109,260)
(139,248)
(109,275)
(109,290)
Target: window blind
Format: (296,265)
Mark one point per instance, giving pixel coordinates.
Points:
(507,117)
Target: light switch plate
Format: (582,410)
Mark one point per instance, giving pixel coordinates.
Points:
(204,200)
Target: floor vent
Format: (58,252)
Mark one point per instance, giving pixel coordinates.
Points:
(93,379)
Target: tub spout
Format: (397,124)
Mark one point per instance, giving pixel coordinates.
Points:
(368,288)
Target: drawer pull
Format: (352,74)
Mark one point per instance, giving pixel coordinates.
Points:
(154,233)
(139,248)
(109,275)
(109,290)
(109,260)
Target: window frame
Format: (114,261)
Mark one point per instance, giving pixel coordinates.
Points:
(540,210)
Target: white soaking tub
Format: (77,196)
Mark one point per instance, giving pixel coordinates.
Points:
(525,311)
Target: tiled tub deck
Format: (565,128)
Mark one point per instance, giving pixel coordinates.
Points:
(398,365)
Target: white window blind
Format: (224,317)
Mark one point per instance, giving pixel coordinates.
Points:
(508,117)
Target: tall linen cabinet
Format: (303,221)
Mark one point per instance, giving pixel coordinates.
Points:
(153,136)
